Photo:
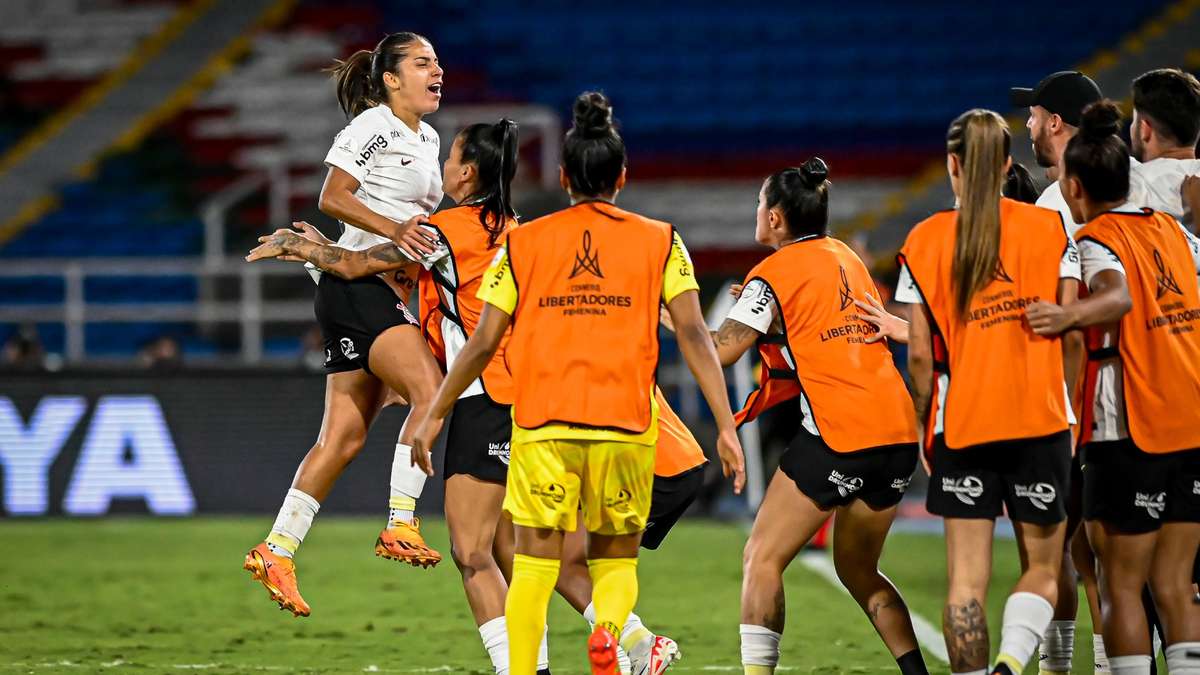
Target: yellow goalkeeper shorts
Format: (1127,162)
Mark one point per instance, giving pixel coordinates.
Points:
(550,480)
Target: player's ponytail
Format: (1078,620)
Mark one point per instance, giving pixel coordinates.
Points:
(593,152)
(359,79)
(492,150)
(1097,156)
(981,141)
(802,195)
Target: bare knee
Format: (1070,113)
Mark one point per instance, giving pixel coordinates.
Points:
(1171,590)
(343,446)
(759,559)
(472,558)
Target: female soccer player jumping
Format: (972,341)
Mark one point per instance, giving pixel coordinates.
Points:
(383,173)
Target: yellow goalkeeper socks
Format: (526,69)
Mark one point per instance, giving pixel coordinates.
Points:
(614,591)
(533,581)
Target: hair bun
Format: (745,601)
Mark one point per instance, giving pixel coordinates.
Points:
(1100,120)
(593,115)
(814,172)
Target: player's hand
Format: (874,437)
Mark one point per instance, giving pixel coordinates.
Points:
(311,233)
(925,462)
(1047,318)
(664,318)
(736,290)
(273,245)
(428,429)
(733,463)
(414,240)
(889,325)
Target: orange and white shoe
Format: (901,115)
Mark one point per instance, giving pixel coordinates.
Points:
(602,652)
(403,543)
(278,575)
(657,659)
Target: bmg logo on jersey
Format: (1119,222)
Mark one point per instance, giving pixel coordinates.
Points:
(377,143)
(1039,494)
(967,488)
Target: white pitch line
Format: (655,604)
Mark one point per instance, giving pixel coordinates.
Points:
(928,636)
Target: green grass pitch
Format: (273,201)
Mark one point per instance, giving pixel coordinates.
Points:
(169,596)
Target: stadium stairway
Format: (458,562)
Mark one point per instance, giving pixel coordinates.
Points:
(52,50)
(149,75)
(1165,40)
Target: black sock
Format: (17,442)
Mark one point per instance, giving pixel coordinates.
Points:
(912,663)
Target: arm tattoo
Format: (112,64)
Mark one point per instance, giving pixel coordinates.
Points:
(388,253)
(733,333)
(965,629)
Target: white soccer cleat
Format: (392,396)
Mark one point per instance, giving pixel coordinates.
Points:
(654,657)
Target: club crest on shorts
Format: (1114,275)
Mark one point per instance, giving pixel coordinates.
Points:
(846,485)
(1039,494)
(1154,504)
(551,492)
(967,488)
(622,498)
(348,348)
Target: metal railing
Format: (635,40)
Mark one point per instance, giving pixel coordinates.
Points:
(249,310)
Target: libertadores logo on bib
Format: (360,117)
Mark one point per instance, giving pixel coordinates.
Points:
(967,488)
(586,260)
(1039,494)
(845,295)
(846,485)
(1165,278)
(1154,504)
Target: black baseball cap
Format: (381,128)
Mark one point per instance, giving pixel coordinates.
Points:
(1065,93)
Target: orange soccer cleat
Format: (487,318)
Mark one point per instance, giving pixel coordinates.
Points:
(278,575)
(403,543)
(602,652)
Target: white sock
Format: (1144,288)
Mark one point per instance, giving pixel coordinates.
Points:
(1058,647)
(1099,657)
(406,485)
(760,645)
(1183,658)
(494,634)
(1130,665)
(1026,617)
(544,650)
(295,517)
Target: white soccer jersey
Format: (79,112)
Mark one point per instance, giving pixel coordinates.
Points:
(397,169)
(1159,181)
